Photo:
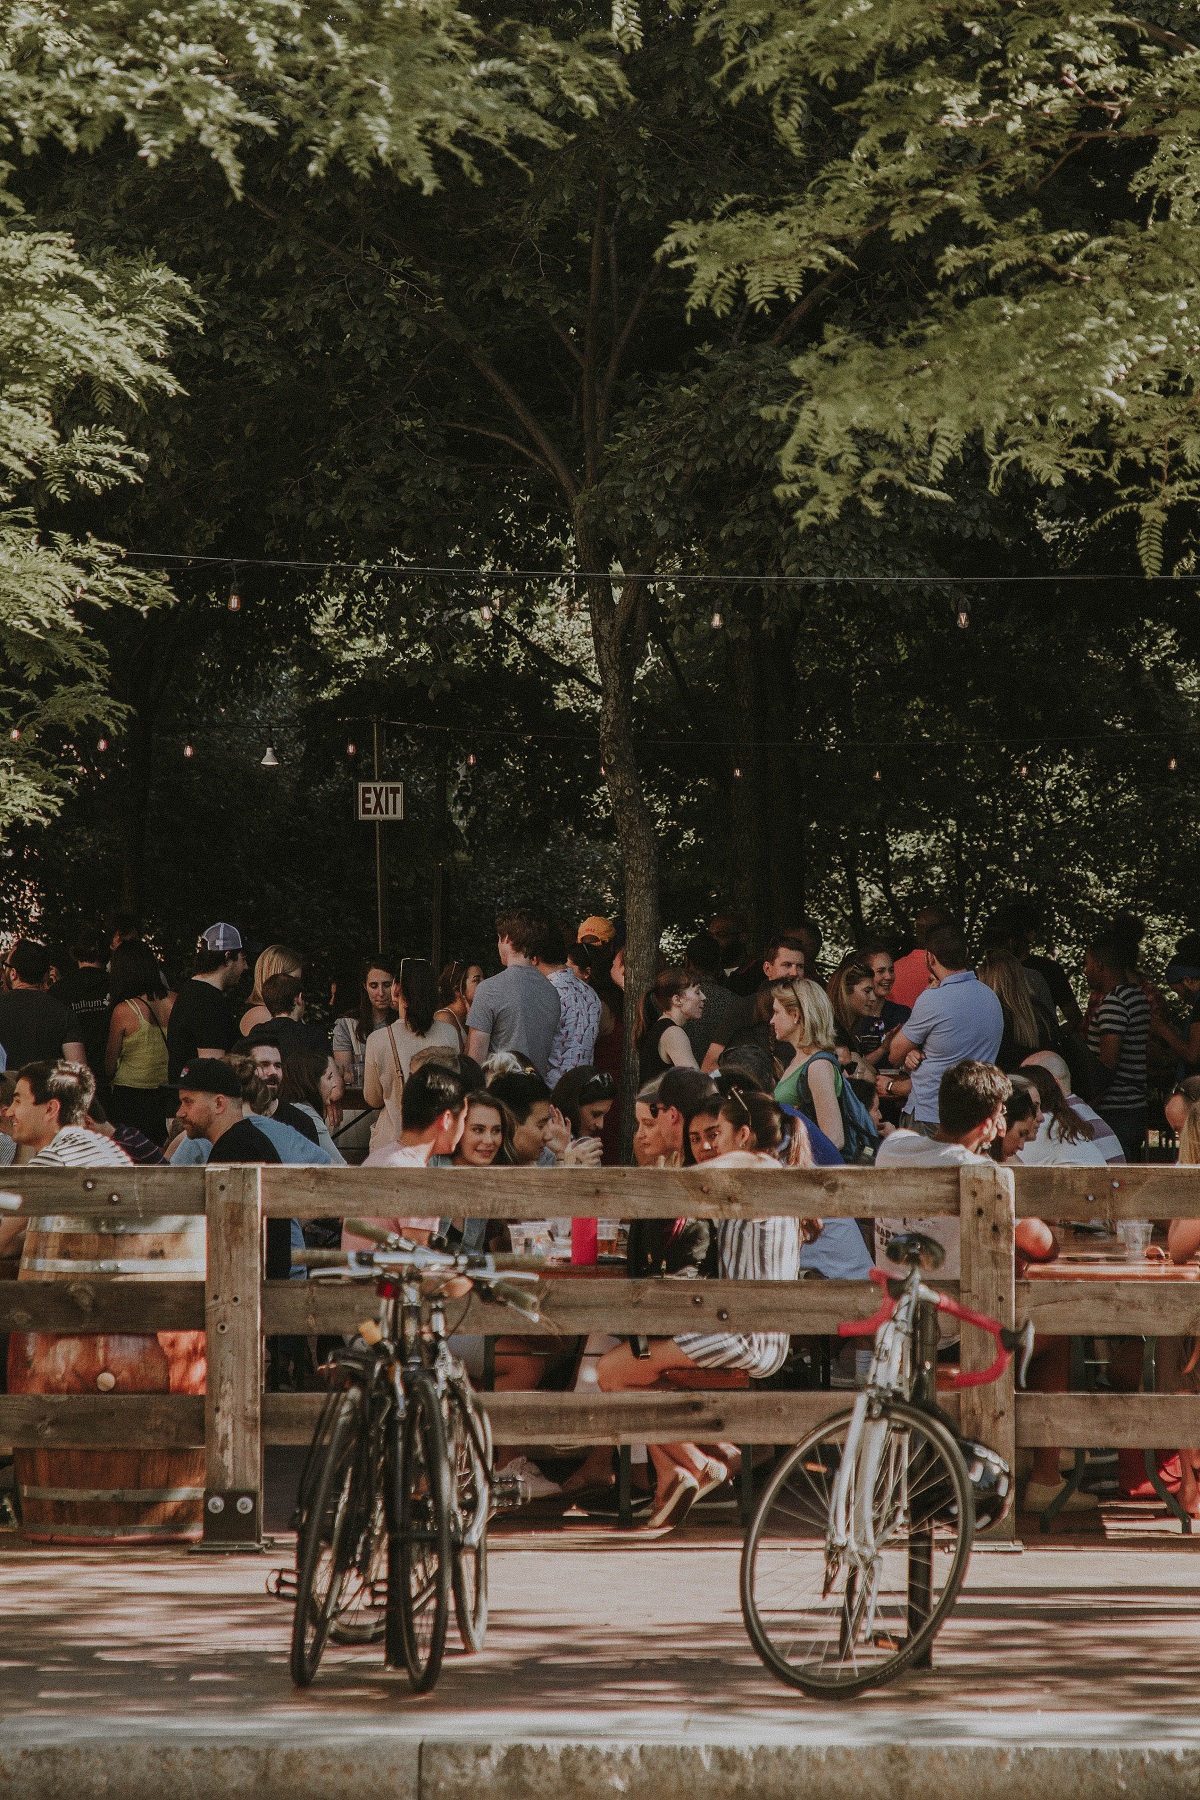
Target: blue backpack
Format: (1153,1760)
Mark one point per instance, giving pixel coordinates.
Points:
(862,1139)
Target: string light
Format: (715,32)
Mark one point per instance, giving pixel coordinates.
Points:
(1173,764)
(485,613)
(234,602)
(102,744)
(717,621)
(269,760)
(878,775)
(189,750)
(1024,769)
(15,734)
(964,616)
(737,774)
(351,749)
(470,759)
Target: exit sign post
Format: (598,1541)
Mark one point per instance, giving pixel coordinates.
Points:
(380,801)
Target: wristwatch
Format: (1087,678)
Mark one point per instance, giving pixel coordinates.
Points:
(891,1084)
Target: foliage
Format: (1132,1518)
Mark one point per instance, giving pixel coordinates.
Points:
(1016,190)
(76,342)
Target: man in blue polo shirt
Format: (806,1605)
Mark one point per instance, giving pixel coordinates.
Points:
(956,1020)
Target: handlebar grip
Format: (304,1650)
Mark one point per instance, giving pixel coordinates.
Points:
(518,1298)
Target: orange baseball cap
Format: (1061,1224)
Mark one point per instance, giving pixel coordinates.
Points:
(596,931)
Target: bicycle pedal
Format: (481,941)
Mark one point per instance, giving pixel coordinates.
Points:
(281,1584)
(506,1492)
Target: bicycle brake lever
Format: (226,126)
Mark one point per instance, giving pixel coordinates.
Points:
(1019,1343)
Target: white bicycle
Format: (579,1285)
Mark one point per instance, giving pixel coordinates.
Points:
(860,1542)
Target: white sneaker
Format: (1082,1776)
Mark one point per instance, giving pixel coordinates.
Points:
(534,1485)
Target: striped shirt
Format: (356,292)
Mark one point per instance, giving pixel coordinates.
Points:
(748,1250)
(75,1148)
(1124,1012)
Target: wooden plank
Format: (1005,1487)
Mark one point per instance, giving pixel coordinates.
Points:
(132,1193)
(572,1308)
(1082,1308)
(83,1421)
(233,1320)
(740,1417)
(607,1193)
(1112,1421)
(1138,1191)
(96,1304)
(986,1246)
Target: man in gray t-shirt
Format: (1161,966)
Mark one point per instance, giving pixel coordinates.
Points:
(518,1009)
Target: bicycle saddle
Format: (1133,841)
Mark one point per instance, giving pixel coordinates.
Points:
(913,1247)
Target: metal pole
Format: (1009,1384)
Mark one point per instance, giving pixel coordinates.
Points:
(380,894)
(439,874)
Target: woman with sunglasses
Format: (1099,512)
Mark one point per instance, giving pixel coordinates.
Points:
(390,1050)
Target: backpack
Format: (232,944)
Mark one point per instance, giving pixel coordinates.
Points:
(858,1127)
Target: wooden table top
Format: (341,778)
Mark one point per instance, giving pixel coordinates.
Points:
(1098,1267)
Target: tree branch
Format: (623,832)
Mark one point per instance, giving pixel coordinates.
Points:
(800,311)
(591,442)
(513,444)
(545,656)
(618,350)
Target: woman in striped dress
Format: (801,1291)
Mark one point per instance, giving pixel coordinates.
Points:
(747,1129)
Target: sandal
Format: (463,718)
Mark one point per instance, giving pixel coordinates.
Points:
(675,1504)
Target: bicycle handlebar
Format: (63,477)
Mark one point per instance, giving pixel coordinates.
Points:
(1006,1341)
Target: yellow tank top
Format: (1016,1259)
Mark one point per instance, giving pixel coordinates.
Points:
(143,1062)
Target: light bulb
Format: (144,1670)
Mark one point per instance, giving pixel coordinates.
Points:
(269,759)
(350,749)
(964,618)
(1173,764)
(737,774)
(1024,770)
(15,733)
(485,613)
(102,744)
(717,621)
(188,750)
(879,775)
(470,759)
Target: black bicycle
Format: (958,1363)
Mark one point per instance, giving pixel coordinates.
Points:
(397,1487)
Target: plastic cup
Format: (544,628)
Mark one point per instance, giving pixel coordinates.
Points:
(1135,1234)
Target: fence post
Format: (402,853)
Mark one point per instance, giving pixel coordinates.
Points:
(233,1322)
(987,1241)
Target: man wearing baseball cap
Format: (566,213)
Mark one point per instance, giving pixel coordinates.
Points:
(211,1106)
(203,1022)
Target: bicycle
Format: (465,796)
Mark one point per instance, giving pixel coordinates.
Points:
(860,1542)
(397,1487)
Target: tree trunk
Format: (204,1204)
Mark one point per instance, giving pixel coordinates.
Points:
(619,635)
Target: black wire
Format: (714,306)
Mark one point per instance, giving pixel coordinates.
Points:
(504,576)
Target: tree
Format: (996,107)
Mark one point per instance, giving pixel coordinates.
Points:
(77,341)
(1021,183)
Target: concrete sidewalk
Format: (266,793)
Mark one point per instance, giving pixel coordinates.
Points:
(614,1665)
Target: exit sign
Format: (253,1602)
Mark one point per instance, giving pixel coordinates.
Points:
(380,800)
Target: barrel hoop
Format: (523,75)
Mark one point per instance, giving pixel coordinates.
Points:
(69,1528)
(95,1225)
(113,1496)
(128,1265)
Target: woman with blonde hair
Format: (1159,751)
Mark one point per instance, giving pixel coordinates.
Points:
(276,959)
(802,1019)
(1024,1032)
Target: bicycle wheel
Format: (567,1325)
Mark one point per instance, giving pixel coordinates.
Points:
(469,1442)
(362,1603)
(833,1624)
(419,1551)
(326,1537)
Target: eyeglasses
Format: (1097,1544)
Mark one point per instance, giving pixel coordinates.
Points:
(599,1087)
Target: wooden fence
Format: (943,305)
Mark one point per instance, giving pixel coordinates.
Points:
(237,1308)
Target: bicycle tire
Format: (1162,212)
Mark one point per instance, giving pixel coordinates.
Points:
(361,1611)
(823,1631)
(419,1539)
(326,1539)
(469,1444)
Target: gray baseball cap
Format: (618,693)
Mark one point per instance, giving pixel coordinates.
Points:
(221,937)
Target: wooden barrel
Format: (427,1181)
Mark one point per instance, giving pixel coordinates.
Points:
(111,1495)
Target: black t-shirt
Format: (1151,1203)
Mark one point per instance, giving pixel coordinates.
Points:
(201,1018)
(244,1143)
(85,991)
(34,1026)
(298,1119)
(289,1036)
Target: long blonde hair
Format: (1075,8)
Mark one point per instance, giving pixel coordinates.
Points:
(808,1002)
(1189,1136)
(1001,971)
(276,959)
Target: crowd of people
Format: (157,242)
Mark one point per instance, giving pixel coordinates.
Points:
(774,1059)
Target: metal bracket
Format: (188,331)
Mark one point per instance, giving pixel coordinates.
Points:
(231,1517)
